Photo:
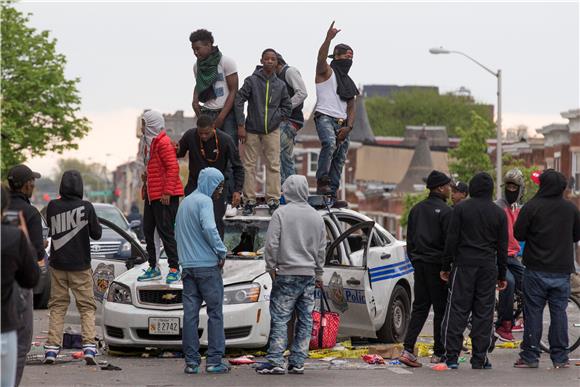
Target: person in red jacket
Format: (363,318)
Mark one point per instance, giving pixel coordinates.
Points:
(161,194)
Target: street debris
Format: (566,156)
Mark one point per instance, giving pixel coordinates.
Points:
(440,367)
(373,359)
(242,360)
(110,367)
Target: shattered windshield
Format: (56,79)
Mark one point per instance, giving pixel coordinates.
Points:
(245,239)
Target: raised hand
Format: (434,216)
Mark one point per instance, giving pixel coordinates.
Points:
(332,32)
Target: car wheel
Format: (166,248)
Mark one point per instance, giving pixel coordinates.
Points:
(40,300)
(398,316)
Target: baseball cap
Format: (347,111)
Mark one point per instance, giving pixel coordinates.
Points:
(460,186)
(20,174)
(340,49)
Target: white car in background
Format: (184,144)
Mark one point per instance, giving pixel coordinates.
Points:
(367,276)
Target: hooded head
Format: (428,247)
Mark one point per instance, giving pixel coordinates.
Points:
(295,189)
(71,185)
(153,124)
(481,186)
(208,180)
(514,186)
(552,184)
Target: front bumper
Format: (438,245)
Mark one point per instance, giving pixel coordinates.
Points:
(245,325)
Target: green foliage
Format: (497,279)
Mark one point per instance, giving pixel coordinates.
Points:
(389,116)
(94,175)
(470,157)
(40,106)
(531,188)
(409,202)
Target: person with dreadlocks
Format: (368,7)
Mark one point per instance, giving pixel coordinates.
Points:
(161,193)
(334,113)
(216,85)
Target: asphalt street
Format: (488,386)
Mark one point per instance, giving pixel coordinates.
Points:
(138,371)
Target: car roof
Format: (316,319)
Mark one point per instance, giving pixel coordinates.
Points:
(263,215)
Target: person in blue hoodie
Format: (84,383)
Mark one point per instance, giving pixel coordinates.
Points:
(201,255)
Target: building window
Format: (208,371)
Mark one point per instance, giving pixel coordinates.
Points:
(576,170)
(557,161)
(312,163)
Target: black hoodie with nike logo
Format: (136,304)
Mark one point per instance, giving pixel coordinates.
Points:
(71,222)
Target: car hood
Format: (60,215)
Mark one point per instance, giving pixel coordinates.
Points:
(234,272)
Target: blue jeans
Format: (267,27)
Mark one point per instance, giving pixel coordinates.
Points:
(203,284)
(231,128)
(514,275)
(332,157)
(287,141)
(539,288)
(290,293)
(9,348)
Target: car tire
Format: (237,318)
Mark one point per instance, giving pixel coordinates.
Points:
(398,317)
(40,300)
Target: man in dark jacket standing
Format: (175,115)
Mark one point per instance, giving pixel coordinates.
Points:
(21,182)
(550,225)
(208,147)
(268,105)
(71,221)
(426,232)
(476,245)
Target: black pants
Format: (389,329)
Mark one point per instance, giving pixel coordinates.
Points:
(471,290)
(429,290)
(219,210)
(156,215)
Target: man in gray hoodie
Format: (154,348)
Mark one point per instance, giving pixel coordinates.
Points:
(295,264)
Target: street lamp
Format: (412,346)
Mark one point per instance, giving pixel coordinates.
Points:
(498,150)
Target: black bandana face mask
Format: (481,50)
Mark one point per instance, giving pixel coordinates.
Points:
(342,64)
(511,196)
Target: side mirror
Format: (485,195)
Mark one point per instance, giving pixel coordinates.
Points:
(135,224)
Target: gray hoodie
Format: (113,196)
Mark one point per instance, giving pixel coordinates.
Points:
(296,238)
(268,103)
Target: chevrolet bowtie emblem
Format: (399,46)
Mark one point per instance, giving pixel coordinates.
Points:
(169,296)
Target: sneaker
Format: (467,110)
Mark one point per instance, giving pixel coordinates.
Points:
(520,363)
(192,369)
(504,331)
(231,211)
(268,368)
(410,360)
(453,366)
(152,273)
(217,369)
(436,359)
(249,209)
(484,366)
(562,365)
(90,351)
(173,276)
(292,369)
(518,326)
(50,353)
(273,205)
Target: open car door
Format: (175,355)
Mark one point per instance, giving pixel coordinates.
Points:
(347,284)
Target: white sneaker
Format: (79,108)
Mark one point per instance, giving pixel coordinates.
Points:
(231,211)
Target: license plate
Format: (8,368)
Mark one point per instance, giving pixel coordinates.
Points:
(163,326)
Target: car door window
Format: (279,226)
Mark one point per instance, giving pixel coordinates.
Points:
(355,242)
(334,257)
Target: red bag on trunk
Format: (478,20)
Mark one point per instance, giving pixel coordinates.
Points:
(325,325)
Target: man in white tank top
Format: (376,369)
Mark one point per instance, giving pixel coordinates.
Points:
(334,113)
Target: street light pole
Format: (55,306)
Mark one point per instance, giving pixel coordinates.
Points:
(498,149)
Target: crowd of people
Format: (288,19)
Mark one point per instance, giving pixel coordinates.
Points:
(459,253)
(462,253)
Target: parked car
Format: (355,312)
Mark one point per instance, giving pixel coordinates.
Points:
(367,276)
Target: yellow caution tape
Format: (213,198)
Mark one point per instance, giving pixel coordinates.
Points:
(345,354)
(509,345)
(424,349)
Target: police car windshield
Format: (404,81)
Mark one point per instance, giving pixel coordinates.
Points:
(245,239)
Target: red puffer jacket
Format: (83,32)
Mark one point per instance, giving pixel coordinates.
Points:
(163,169)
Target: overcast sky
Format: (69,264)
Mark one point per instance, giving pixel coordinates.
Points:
(132,56)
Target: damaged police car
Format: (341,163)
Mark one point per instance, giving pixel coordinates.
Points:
(367,277)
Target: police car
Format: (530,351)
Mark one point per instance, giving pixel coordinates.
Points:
(367,278)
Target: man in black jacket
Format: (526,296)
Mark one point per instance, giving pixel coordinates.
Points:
(21,183)
(71,222)
(18,267)
(426,231)
(209,147)
(550,225)
(476,245)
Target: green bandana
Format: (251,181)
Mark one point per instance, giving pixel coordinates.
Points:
(206,76)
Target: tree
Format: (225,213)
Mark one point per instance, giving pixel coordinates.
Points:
(388,116)
(470,157)
(40,107)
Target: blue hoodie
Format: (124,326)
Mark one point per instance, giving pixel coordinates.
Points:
(198,241)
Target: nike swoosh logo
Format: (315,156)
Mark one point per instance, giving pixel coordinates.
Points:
(60,242)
